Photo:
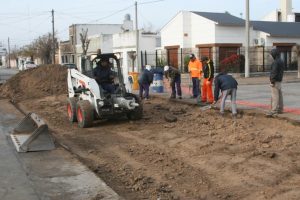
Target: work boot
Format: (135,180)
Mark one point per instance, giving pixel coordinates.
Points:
(271,114)
(234,116)
(179,97)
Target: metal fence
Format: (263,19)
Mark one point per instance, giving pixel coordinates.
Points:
(231,59)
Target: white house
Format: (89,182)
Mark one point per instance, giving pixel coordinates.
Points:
(125,44)
(100,36)
(284,14)
(219,35)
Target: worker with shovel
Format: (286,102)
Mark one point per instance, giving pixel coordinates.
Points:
(173,74)
(228,86)
(195,70)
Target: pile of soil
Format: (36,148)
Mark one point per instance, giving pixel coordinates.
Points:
(46,80)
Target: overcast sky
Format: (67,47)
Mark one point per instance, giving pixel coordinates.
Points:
(24,20)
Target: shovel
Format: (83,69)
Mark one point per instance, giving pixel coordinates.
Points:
(204,108)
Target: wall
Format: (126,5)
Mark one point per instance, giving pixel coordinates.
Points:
(203,31)
(124,43)
(172,33)
(272,16)
(230,34)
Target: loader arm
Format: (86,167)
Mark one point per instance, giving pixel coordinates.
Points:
(80,83)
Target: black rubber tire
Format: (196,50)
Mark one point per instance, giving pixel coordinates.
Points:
(137,113)
(71,109)
(85,114)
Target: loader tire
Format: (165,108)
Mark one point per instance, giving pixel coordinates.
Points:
(71,109)
(85,114)
(137,113)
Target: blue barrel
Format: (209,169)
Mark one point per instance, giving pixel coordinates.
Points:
(158,85)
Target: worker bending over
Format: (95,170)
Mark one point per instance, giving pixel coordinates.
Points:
(173,74)
(228,86)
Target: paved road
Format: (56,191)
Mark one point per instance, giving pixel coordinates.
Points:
(259,96)
(7,73)
(43,175)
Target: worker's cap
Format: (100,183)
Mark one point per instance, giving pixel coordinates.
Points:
(148,67)
(166,68)
(192,55)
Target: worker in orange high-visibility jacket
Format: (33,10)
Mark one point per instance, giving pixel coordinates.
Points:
(208,75)
(195,70)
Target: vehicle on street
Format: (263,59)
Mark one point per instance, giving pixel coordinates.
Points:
(70,65)
(29,65)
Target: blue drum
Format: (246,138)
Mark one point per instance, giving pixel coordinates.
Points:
(158,85)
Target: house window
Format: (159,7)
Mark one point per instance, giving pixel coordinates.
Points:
(66,59)
(73,59)
(286,57)
(62,59)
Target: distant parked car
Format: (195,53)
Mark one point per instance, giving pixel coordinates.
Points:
(29,65)
(70,65)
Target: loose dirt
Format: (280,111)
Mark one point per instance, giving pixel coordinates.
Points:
(200,156)
(38,82)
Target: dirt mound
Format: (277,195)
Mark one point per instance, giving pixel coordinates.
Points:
(38,82)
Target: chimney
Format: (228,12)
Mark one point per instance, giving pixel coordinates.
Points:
(286,9)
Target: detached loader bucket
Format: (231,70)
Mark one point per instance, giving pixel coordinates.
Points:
(32,134)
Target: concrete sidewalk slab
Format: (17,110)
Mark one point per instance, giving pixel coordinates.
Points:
(53,174)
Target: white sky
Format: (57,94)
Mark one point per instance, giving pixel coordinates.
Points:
(25,20)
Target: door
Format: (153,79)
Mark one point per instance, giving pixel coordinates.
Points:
(205,51)
(285,55)
(173,57)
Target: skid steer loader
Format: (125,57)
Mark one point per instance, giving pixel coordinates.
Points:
(88,101)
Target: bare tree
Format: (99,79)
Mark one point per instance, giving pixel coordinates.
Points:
(85,42)
(42,47)
(29,51)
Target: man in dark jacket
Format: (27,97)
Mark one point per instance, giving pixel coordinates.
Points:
(173,74)
(228,86)
(145,79)
(208,74)
(276,75)
(104,75)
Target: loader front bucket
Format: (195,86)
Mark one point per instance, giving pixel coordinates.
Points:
(32,134)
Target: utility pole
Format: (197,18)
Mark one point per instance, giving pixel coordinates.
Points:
(53,41)
(8,43)
(247,36)
(137,37)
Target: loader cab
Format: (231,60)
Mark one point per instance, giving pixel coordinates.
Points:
(89,63)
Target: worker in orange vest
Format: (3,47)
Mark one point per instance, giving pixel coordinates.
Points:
(208,75)
(195,70)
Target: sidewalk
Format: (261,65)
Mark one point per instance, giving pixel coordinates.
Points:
(53,174)
(291,114)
